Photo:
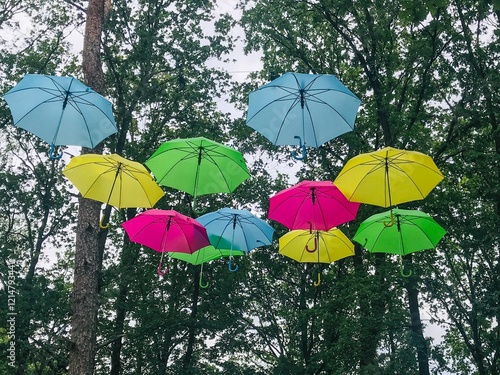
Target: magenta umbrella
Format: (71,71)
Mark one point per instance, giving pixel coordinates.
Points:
(166,231)
(313,205)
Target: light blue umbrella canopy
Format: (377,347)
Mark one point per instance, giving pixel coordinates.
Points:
(234,229)
(61,110)
(309,109)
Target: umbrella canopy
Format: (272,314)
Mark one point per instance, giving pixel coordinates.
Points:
(413,231)
(167,231)
(388,177)
(61,110)
(316,205)
(113,180)
(316,246)
(236,230)
(310,108)
(198,166)
(205,254)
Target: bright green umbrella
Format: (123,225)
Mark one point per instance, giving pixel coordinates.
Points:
(412,231)
(198,166)
(204,255)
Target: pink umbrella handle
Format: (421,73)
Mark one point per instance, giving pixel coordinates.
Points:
(159,270)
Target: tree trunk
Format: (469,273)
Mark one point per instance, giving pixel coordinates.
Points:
(416,324)
(84,298)
(187,364)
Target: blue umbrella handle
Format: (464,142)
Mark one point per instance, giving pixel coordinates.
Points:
(303,147)
(230,265)
(52,155)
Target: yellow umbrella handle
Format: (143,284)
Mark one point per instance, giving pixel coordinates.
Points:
(101,224)
(390,223)
(318,281)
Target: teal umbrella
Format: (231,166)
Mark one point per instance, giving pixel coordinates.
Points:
(412,231)
(308,109)
(233,229)
(61,111)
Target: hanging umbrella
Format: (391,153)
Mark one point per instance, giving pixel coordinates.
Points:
(308,108)
(388,177)
(166,231)
(198,166)
(312,205)
(236,230)
(413,231)
(113,180)
(316,246)
(205,255)
(61,111)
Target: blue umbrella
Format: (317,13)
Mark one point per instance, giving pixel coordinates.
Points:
(233,229)
(310,108)
(61,111)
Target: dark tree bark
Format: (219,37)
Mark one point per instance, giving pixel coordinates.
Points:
(84,299)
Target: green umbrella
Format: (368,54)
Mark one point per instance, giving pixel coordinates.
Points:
(198,166)
(204,255)
(412,231)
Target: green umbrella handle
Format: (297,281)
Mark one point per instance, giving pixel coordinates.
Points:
(402,269)
(52,154)
(201,279)
(197,212)
(303,147)
(318,281)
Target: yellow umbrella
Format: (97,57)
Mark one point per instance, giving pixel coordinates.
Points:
(316,246)
(388,177)
(113,180)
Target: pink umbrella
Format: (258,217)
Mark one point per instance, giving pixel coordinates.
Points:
(166,231)
(317,205)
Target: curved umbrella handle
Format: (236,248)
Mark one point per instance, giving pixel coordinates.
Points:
(197,212)
(102,225)
(204,286)
(315,246)
(159,270)
(230,265)
(303,147)
(402,271)
(390,223)
(318,281)
(52,155)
